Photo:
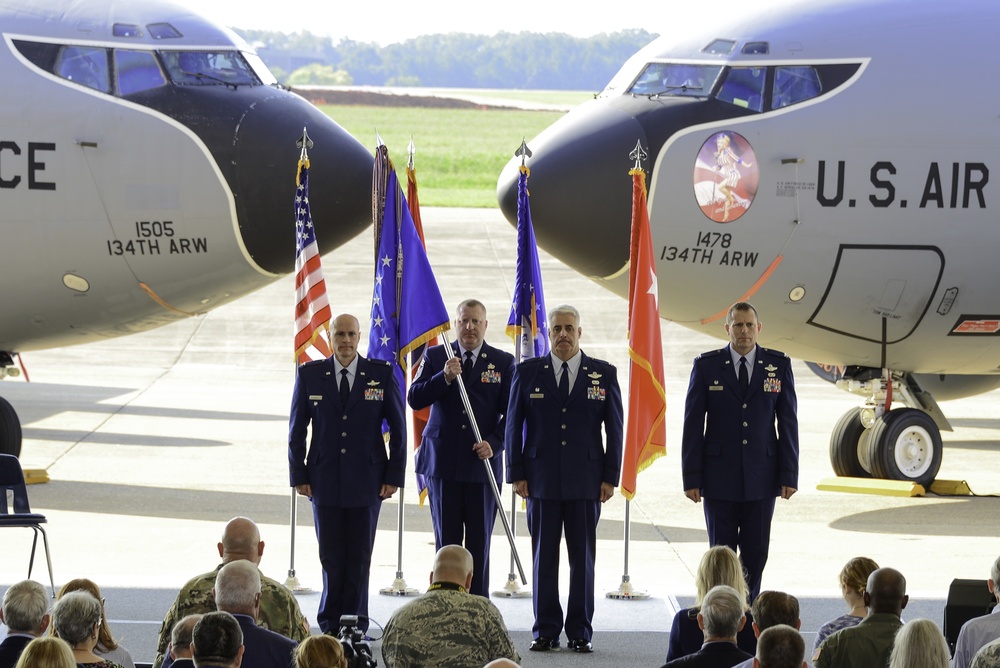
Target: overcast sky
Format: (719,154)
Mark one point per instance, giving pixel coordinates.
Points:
(388,21)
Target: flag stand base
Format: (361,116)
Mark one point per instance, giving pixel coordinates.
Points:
(626,592)
(292,584)
(512,589)
(399,588)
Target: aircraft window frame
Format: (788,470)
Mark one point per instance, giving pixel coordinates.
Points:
(260,68)
(756,49)
(137,79)
(674,79)
(126,30)
(163,31)
(794,91)
(186,67)
(81,68)
(741,91)
(720,46)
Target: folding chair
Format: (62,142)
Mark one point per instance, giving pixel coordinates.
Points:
(12,478)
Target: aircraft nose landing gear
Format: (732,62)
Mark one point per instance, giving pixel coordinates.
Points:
(900,444)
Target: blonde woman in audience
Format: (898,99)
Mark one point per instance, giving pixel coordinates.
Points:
(853,580)
(107,646)
(47,653)
(76,618)
(320,652)
(919,644)
(719,566)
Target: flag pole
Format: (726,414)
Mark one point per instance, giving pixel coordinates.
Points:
(292,583)
(489,470)
(626,590)
(399,586)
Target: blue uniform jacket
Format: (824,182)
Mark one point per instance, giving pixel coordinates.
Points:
(347,462)
(559,448)
(446,450)
(737,448)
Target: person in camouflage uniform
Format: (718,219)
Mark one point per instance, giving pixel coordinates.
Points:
(279,611)
(447,627)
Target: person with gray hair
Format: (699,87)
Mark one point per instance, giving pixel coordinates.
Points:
(564,455)
(180,642)
(979,631)
(25,611)
(237,591)
(217,641)
(780,646)
(76,618)
(919,644)
(721,617)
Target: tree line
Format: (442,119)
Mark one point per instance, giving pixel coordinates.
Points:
(523,60)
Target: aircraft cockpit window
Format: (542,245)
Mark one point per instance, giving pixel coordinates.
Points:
(744,87)
(794,84)
(756,49)
(208,68)
(163,31)
(720,46)
(676,79)
(85,65)
(260,69)
(126,30)
(137,71)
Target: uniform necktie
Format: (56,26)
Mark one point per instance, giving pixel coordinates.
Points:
(744,375)
(564,381)
(467,366)
(345,387)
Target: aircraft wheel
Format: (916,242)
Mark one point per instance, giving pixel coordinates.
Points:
(905,444)
(10,430)
(846,443)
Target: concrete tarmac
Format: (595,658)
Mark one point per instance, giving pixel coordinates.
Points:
(154,440)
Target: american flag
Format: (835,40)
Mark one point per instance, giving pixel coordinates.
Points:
(312,308)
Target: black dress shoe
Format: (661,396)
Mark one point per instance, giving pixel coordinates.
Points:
(543,644)
(580,645)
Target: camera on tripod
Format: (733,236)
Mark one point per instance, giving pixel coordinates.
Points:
(357,650)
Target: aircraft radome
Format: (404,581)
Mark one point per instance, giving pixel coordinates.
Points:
(830,162)
(147,173)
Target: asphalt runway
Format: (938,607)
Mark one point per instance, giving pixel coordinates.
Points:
(154,440)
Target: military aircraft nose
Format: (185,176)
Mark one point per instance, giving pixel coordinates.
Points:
(340,178)
(581,194)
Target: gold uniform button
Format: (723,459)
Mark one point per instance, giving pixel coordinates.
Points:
(744,441)
(343,451)
(745,424)
(564,442)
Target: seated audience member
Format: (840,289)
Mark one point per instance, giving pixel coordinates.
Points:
(718,566)
(47,653)
(870,642)
(772,608)
(107,646)
(179,648)
(25,611)
(279,611)
(447,626)
(217,641)
(919,644)
(238,592)
(721,617)
(320,652)
(979,631)
(853,580)
(988,656)
(76,618)
(780,646)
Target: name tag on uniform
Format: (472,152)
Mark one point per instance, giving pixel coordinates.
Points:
(715,388)
(374,394)
(536,396)
(772,385)
(597,393)
(315,397)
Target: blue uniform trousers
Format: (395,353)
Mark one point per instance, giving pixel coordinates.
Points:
(345,537)
(464,513)
(745,525)
(547,520)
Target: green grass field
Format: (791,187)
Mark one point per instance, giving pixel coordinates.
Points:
(459,152)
